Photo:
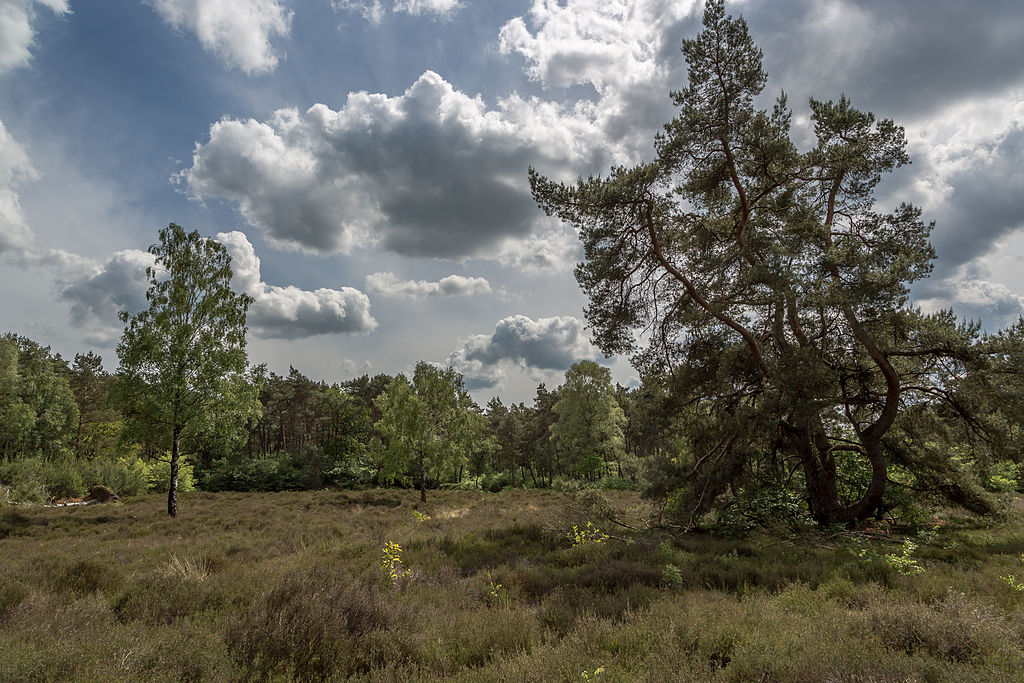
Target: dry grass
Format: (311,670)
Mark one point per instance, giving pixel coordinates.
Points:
(288,586)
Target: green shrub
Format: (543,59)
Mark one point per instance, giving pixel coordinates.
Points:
(62,478)
(275,472)
(1004,477)
(616,483)
(158,476)
(124,476)
(496,481)
(771,508)
(22,481)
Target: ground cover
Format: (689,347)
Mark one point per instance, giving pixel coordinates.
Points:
(375,585)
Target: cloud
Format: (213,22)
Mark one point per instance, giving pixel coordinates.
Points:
(237,31)
(97,292)
(16,237)
(610,44)
(387,285)
(290,312)
(899,59)
(374,10)
(985,196)
(555,250)
(627,50)
(976,299)
(544,344)
(17,33)
(433,172)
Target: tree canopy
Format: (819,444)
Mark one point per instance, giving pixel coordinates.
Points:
(429,424)
(770,289)
(590,420)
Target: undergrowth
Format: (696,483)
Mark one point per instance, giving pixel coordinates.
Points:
(290,586)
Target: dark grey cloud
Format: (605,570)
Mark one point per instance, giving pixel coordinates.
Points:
(433,172)
(98,292)
(972,297)
(900,59)
(543,344)
(985,202)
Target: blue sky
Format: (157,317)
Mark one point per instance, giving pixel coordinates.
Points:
(365,160)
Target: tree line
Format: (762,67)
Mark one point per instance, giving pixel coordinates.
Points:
(288,432)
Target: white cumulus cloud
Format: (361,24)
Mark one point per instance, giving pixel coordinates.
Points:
(239,32)
(16,237)
(17,33)
(290,312)
(973,298)
(97,292)
(386,284)
(549,251)
(432,172)
(627,50)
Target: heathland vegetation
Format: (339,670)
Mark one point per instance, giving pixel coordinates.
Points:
(474,586)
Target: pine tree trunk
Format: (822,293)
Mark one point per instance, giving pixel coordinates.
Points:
(819,467)
(172,490)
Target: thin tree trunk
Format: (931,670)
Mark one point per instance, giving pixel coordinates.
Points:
(423,481)
(172,490)
(78,436)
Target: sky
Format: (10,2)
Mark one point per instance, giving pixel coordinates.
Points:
(365,161)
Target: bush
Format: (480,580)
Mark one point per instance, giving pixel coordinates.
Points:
(124,476)
(1004,477)
(62,478)
(315,624)
(617,484)
(22,481)
(275,472)
(956,629)
(158,475)
(772,508)
(495,482)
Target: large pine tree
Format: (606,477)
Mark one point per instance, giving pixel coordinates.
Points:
(773,292)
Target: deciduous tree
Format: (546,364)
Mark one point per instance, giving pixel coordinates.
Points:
(590,421)
(430,425)
(185,354)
